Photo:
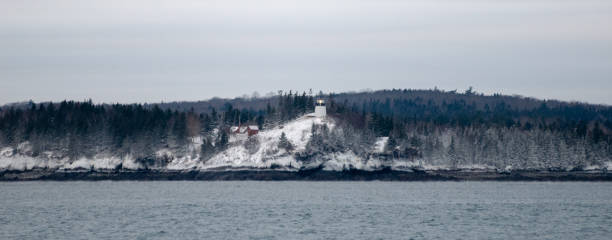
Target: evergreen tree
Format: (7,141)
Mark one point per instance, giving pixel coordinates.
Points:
(284,143)
(222,140)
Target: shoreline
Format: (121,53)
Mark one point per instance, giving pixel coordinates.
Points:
(302,175)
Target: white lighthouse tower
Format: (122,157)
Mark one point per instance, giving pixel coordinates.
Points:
(320,109)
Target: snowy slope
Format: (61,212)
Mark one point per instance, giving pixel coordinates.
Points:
(237,156)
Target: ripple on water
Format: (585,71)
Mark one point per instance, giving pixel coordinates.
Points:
(305,210)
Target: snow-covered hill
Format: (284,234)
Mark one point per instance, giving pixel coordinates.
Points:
(298,132)
(266,153)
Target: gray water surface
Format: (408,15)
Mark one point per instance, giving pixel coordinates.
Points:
(305,210)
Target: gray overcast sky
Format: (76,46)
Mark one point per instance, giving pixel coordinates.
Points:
(158,50)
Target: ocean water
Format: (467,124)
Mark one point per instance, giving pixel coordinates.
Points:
(305,210)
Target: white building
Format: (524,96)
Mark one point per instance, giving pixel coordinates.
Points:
(320,109)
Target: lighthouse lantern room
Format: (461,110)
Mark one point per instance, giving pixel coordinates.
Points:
(320,110)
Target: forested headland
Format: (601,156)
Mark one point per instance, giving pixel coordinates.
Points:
(399,128)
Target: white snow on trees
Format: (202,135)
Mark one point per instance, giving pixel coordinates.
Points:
(336,147)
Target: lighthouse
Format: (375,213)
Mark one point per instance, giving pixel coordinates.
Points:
(320,110)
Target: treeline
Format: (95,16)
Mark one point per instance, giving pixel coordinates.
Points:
(385,110)
(396,116)
(75,129)
(455,128)
(460,132)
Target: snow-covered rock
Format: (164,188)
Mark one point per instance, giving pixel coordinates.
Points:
(348,160)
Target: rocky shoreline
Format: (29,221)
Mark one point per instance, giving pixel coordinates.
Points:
(302,175)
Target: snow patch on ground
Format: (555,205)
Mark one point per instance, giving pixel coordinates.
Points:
(349,160)
(608,166)
(379,145)
(164,153)
(106,162)
(82,163)
(190,160)
(22,162)
(130,163)
(404,165)
(477,167)
(593,167)
(6,152)
(100,162)
(17,162)
(185,162)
